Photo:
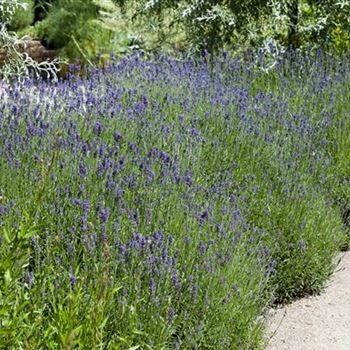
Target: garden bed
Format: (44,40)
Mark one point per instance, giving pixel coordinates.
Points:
(167,204)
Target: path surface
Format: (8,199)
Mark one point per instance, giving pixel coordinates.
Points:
(315,323)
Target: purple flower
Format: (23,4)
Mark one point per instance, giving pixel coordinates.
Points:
(86,206)
(202,247)
(193,131)
(152,285)
(171,314)
(73,280)
(175,280)
(165,157)
(30,279)
(97,128)
(187,179)
(85,148)
(117,137)
(119,192)
(104,214)
(82,169)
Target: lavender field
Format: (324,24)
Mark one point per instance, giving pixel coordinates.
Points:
(161,204)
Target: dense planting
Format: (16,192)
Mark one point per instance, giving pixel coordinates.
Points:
(163,205)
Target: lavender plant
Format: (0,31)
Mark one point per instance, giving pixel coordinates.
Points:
(165,204)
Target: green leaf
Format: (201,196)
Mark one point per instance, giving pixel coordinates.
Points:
(7,276)
(6,236)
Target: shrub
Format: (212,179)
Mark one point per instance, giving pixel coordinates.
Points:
(23,16)
(168,202)
(18,64)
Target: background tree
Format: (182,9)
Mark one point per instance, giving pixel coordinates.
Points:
(332,24)
(293,15)
(81,29)
(208,24)
(306,23)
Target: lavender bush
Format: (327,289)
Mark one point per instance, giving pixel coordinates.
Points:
(163,205)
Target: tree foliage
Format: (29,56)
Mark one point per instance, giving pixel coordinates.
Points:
(209,24)
(215,23)
(332,23)
(84,28)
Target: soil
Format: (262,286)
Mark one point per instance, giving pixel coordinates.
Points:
(318,322)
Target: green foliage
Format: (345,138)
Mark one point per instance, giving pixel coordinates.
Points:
(84,29)
(213,25)
(137,32)
(333,25)
(307,231)
(68,27)
(338,180)
(267,154)
(14,260)
(309,23)
(208,25)
(23,17)
(87,29)
(64,19)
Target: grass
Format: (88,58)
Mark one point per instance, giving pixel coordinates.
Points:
(155,205)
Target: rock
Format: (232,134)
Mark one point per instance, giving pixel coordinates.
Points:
(34,49)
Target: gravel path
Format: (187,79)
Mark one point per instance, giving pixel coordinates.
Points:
(315,323)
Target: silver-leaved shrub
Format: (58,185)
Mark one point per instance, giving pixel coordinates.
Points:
(17,64)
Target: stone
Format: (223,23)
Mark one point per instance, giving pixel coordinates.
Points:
(34,49)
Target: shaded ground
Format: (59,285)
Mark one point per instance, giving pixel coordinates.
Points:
(315,323)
